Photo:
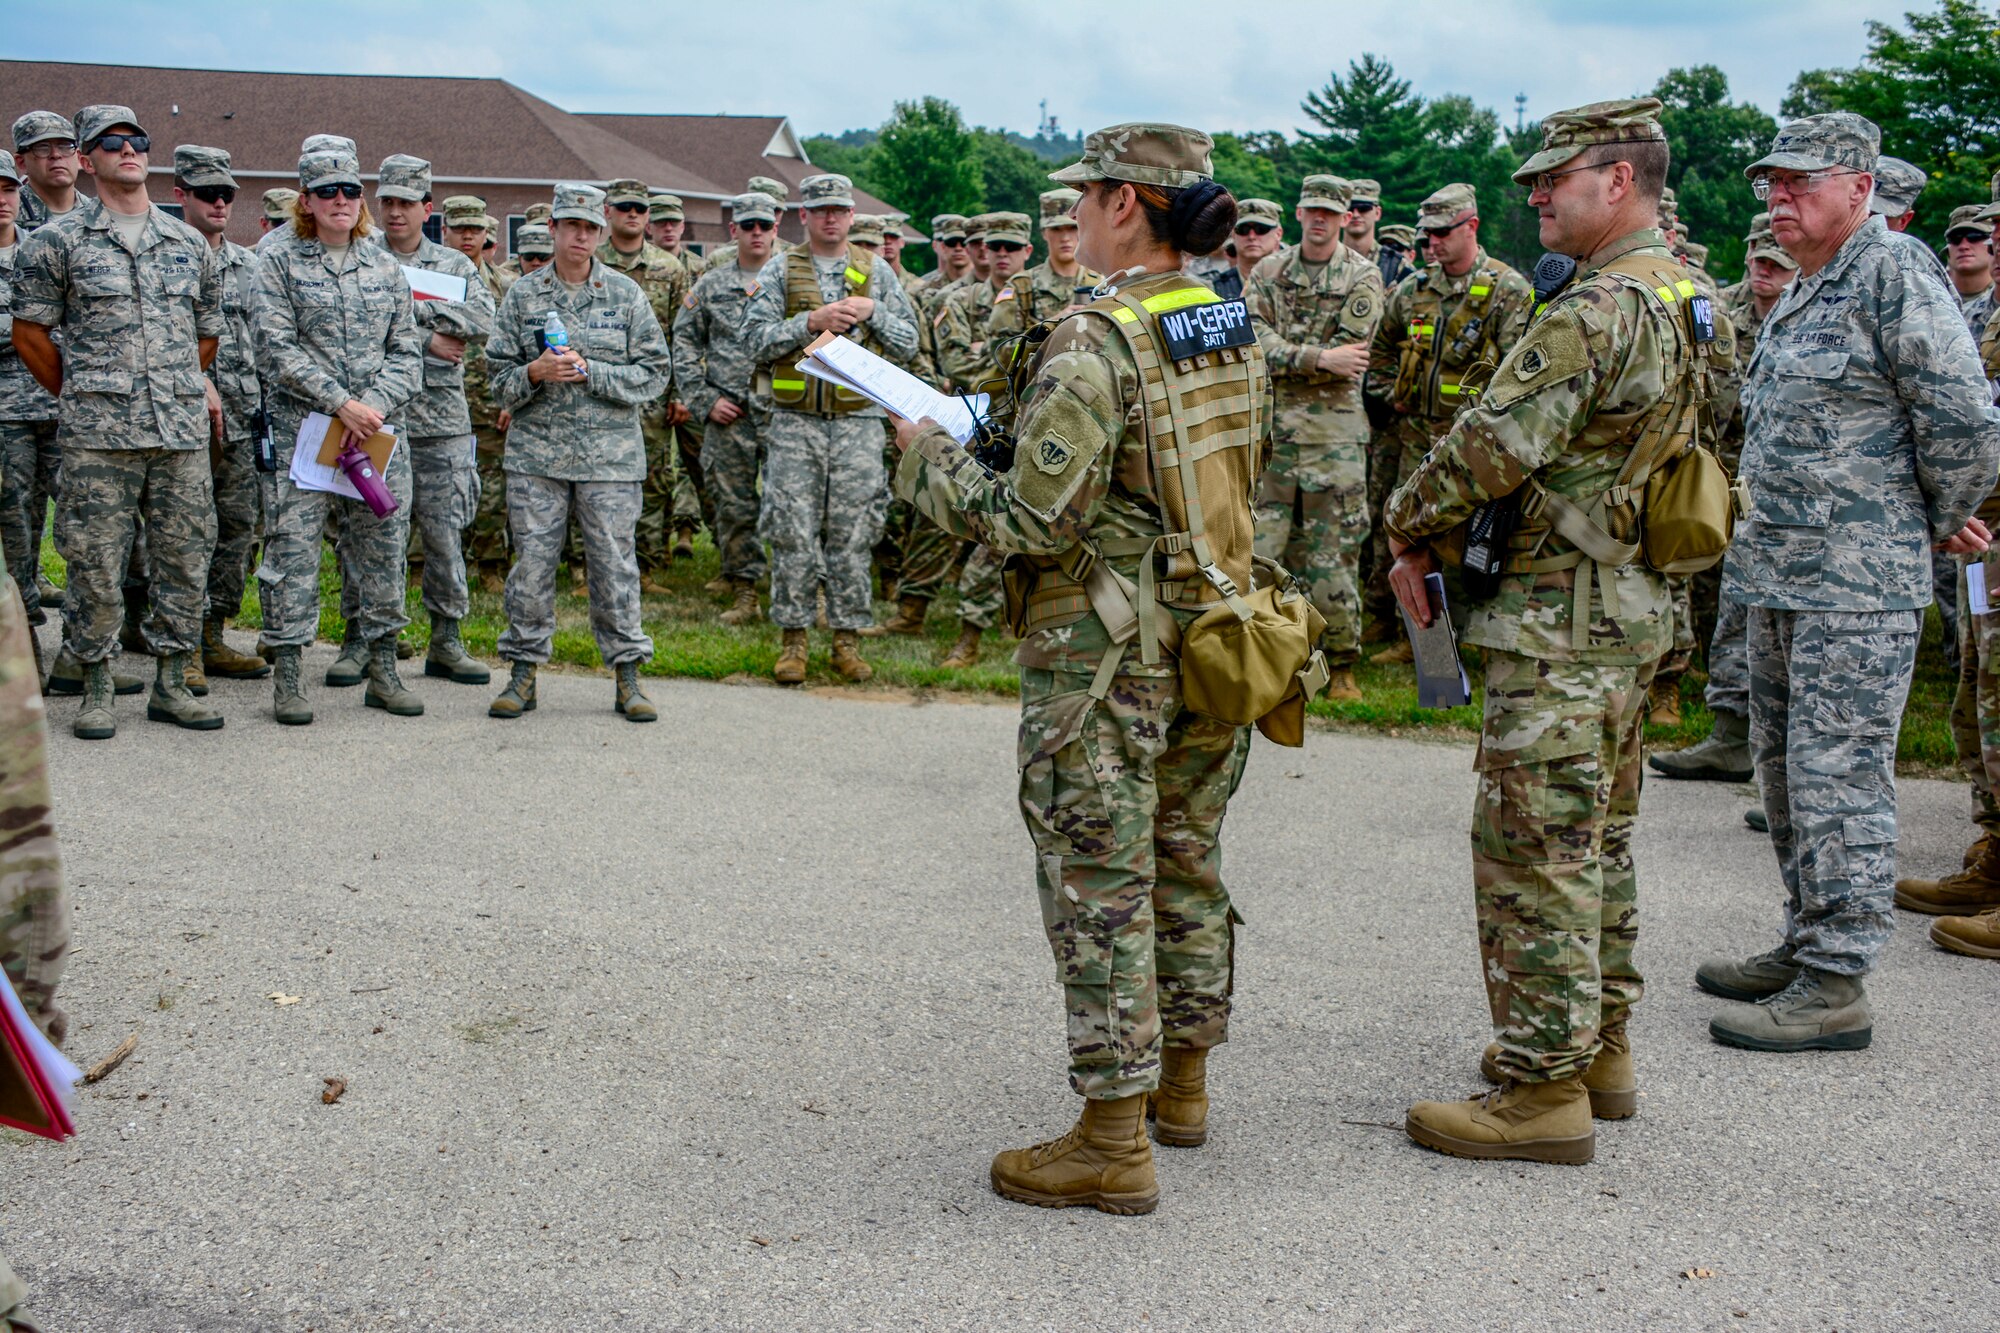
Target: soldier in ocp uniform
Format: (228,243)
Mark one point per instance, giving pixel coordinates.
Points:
(1570,639)
(1316,307)
(1123,787)
(1443,333)
(666,227)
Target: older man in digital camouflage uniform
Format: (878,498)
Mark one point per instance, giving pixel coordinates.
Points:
(135,427)
(45,149)
(1570,641)
(1870,435)
(575,444)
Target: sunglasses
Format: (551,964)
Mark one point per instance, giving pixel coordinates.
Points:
(1433,233)
(1005,247)
(1254,229)
(214,194)
(331,191)
(626,206)
(115,143)
(1960,237)
(1362,206)
(952,242)
(757,224)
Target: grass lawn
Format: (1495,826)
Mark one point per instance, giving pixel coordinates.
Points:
(689,641)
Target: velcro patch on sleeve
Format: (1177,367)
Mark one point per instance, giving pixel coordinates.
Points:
(1553,351)
(1057,441)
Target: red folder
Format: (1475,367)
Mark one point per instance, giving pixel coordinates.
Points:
(33,1074)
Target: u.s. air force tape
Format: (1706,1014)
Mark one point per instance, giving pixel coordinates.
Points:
(1206,328)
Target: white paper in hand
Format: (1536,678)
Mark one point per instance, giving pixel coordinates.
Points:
(847,363)
(1975,588)
(308,473)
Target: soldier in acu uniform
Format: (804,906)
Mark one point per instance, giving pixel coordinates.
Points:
(29,458)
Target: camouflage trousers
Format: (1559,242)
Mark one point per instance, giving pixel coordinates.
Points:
(981,593)
(1556,892)
(30,470)
(239,513)
(539,509)
(930,554)
(693,503)
(672,494)
(13,1295)
(732,459)
(821,515)
(373,553)
(1827,690)
(1124,799)
(1318,536)
(1947,576)
(485,545)
(1729,662)
(444,499)
(1975,708)
(105,493)
(1393,455)
(1680,588)
(34,911)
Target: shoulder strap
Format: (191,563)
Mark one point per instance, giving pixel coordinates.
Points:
(801,283)
(860,270)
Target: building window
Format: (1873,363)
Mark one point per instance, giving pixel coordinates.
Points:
(173,211)
(434,228)
(515,221)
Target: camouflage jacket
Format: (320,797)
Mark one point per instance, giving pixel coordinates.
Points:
(22,398)
(440,409)
(1049,294)
(712,354)
(1299,315)
(774,335)
(1746,322)
(1601,349)
(34,213)
(1977,311)
(587,431)
(1415,321)
(1870,433)
(662,277)
(692,264)
(131,326)
(234,370)
(958,332)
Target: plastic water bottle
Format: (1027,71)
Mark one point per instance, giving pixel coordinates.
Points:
(555,335)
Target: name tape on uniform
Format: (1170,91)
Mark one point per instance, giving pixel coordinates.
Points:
(1206,328)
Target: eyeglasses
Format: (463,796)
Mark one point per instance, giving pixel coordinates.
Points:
(213,194)
(330,191)
(1254,229)
(952,243)
(49,148)
(1362,206)
(1546,182)
(1796,183)
(628,206)
(1005,247)
(115,143)
(757,224)
(1434,233)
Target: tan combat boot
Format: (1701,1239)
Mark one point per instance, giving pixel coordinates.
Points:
(1977,849)
(847,657)
(683,544)
(1521,1122)
(1379,630)
(628,699)
(518,697)
(791,667)
(386,690)
(909,619)
(745,610)
(1971,890)
(194,677)
(964,654)
(1340,686)
(1663,703)
(1819,1011)
(719,586)
(1973,936)
(1179,1110)
(1396,654)
(1610,1080)
(653,584)
(1105,1161)
(219,659)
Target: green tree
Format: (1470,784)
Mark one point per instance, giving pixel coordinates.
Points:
(1934,90)
(1248,174)
(1013,177)
(1712,139)
(924,161)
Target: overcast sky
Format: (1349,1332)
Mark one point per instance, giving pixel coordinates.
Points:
(1217,66)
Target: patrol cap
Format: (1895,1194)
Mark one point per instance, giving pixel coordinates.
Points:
(403,177)
(101,117)
(465,210)
(667,208)
(1447,206)
(1057,203)
(1991,213)
(1966,218)
(40,127)
(627,191)
(328,143)
(1831,139)
(278,203)
(537,214)
(1326,192)
(1762,222)
(1398,235)
(829,190)
(1009,227)
(534,239)
(196,165)
(7,168)
(944,226)
(585,203)
(753,206)
(770,186)
(1145,153)
(330,167)
(492,225)
(1897,185)
(1365,192)
(1697,255)
(1567,134)
(976,225)
(1259,210)
(867,229)
(1765,246)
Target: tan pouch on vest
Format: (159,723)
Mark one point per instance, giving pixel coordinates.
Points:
(1239,670)
(1690,512)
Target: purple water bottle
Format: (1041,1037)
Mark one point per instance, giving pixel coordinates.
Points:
(360,470)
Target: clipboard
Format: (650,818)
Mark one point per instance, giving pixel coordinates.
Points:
(1441,678)
(377,446)
(31,1097)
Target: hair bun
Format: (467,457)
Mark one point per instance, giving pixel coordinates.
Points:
(1202,217)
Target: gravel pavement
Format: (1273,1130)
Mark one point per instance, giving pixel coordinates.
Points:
(716,1023)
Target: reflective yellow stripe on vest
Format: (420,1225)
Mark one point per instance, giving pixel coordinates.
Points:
(855,275)
(1165,301)
(1684,288)
(1477,289)
(788,385)
(1422,330)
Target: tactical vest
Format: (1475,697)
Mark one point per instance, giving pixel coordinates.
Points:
(1605,534)
(790,387)
(1202,418)
(1456,353)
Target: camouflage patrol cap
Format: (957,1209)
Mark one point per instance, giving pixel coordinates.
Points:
(667,208)
(767,185)
(1831,139)
(1991,213)
(585,203)
(1897,185)
(534,239)
(753,206)
(328,143)
(492,225)
(1365,192)
(1259,210)
(328,168)
(828,190)
(976,225)
(1697,255)
(944,226)
(867,229)
(100,118)
(1966,218)
(1398,235)
(1764,245)
(278,203)
(7,169)
(1009,227)
(1762,222)
(464,210)
(1326,192)
(196,165)
(40,127)
(403,177)
(1173,156)
(1056,205)
(1447,207)
(536,215)
(627,191)
(1567,134)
